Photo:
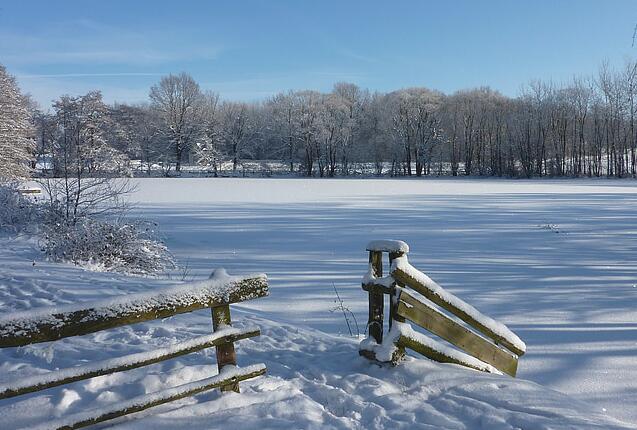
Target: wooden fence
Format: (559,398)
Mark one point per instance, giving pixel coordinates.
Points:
(22,328)
(483,343)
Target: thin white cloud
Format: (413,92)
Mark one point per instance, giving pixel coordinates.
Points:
(88,75)
(86,41)
(348,53)
(138,56)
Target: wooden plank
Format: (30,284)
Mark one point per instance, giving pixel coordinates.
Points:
(120,364)
(432,353)
(407,280)
(147,401)
(436,322)
(393,304)
(376,299)
(29,191)
(22,329)
(393,300)
(226,355)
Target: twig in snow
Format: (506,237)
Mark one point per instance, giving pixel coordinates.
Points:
(340,306)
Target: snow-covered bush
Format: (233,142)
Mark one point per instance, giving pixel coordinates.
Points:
(17,212)
(128,247)
(16,133)
(89,234)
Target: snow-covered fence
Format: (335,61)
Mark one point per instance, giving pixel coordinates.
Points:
(49,324)
(30,190)
(487,344)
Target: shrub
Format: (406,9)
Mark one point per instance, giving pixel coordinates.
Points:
(17,212)
(109,246)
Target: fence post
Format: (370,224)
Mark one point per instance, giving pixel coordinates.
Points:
(226,354)
(393,316)
(393,306)
(376,299)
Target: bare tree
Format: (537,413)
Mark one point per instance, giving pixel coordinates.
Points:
(84,162)
(236,130)
(179,104)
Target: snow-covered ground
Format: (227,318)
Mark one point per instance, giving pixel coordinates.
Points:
(554,260)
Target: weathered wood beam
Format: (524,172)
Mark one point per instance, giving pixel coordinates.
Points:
(376,299)
(226,355)
(404,278)
(23,328)
(146,401)
(438,323)
(393,303)
(434,354)
(65,376)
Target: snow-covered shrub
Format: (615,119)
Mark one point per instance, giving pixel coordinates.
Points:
(17,212)
(127,247)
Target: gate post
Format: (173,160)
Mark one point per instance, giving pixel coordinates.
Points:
(376,299)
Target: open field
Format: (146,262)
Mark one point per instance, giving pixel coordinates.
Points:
(554,260)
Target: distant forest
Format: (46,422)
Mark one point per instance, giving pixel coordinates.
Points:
(584,127)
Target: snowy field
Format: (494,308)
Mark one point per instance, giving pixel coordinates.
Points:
(554,260)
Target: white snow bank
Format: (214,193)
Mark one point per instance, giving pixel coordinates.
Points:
(498,328)
(572,298)
(388,246)
(130,360)
(318,381)
(139,401)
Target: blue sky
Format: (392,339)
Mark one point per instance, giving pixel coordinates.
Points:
(248,50)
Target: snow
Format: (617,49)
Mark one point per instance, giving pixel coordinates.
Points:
(496,327)
(570,296)
(114,363)
(371,279)
(388,246)
(68,421)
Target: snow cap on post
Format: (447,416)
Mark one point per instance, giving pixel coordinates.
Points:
(388,246)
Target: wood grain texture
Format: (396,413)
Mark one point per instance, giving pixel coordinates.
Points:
(93,319)
(407,280)
(441,325)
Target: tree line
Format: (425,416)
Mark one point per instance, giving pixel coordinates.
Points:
(585,127)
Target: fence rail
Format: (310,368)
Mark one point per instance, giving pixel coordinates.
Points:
(50,324)
(485,344)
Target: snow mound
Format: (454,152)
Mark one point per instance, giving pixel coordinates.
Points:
(388,246)
(318,381)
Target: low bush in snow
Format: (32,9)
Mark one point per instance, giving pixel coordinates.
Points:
(110,246)
(98,242)
(17,212)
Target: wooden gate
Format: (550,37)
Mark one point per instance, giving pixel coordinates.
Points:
(482,343)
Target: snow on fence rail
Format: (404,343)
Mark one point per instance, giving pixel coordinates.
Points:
(216,293)
(30,190)
(487,344)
